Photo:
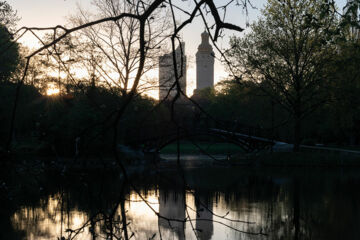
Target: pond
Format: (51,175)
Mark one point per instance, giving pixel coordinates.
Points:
(206,202)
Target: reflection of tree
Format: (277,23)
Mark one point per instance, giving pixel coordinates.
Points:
(296,204)
(50,219)
(92,213)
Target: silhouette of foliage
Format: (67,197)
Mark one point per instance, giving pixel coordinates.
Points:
(9,55)
(286,54)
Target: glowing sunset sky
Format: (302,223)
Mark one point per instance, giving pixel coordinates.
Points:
(46,13)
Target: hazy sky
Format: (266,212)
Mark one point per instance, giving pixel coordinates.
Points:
(45,13)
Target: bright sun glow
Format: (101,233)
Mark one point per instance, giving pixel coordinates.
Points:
(52,90)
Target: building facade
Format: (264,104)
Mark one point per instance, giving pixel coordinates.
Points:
(205,58)
(167,73)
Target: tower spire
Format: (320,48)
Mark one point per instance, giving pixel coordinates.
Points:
(204,63)
(205,46)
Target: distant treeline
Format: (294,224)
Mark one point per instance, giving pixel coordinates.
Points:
(55,124)
(245,108)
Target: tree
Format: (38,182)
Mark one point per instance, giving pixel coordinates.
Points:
(144,12)
(350,20)
(286,54)
(9,55)
(9,49)
(110,50)
(8,16)
(345,77)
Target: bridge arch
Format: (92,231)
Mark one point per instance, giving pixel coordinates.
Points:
(238,142)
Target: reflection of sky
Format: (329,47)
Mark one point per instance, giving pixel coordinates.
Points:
(44,222)
(322,202)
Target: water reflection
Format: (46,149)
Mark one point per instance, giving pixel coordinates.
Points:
(204,215)
(172,206)
(237,206)
(49,221)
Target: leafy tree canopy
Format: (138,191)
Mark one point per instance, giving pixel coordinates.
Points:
(288,51)
(9,50)
(9,55)
(8,16)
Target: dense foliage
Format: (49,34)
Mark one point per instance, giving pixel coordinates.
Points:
(51,124)
(9,54)
(287,53)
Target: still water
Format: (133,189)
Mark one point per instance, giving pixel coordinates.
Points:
(196,203)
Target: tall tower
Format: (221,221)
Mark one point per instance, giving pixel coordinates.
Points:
(204,63)
(167,73)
